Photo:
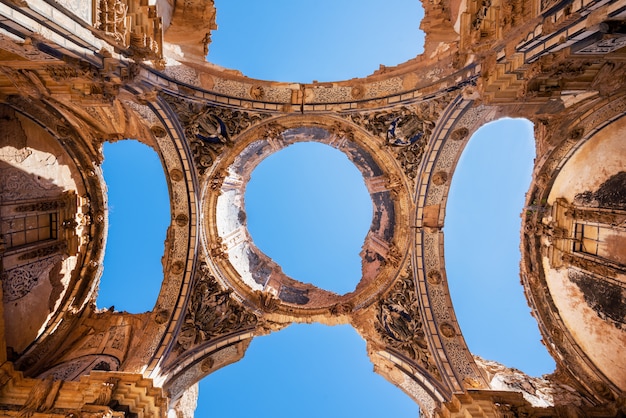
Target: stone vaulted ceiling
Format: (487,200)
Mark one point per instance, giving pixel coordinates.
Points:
(75,74)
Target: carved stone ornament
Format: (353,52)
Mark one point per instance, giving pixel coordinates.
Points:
(41,397)
(216,182)
(447,330)
(182,220)
(406,131)
(272,130)
(440,178)
(176,174)
(393,257)
(268,302)
(19,281)
(342,308)
(433,277)
(257,92)
(481,14)
(218,249)
(177,267)
(459,134)
(358,91)
(400,324)
(209,129)
(46,251)
(131,25)
(158,131)
(341,131)
(211,313)
(17,185)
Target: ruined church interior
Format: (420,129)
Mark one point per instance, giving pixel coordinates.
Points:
(75,75)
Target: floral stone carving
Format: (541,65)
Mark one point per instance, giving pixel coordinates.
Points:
(406,131)
(209,128)
(400,325)
(211,313)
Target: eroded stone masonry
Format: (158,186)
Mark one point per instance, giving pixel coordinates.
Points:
(74,74)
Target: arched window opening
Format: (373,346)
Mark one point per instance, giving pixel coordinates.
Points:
(139,214)
(482,241)
(304,371)
(332,41)
(308,209)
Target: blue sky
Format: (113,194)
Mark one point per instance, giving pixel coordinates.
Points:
(318,204)
(315,370)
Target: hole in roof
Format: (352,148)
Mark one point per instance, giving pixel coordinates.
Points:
(322,40)
(139,214)
(303,371)
(482,240)
(308,209)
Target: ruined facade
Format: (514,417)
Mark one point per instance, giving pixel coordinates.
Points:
(74,74)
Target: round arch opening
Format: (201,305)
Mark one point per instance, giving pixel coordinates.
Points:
(252,273)
(308,209)
(482,253)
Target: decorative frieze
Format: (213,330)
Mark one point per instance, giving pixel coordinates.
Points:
(133,25)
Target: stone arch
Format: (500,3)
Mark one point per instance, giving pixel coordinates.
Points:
(561,256)
(234,170)
(202,343)
(482,233)
(52,226)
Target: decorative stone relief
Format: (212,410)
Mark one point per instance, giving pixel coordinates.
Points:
(211,313)
(19,281)
(74,369)
(25,50)
(184,74)
(440,178)
(209,128)
(41,397)
(474,117)
(400,324)
(423,398)
(544,75)
(133,25)
(144,111)
(405,131)
(27,82)
(392,85)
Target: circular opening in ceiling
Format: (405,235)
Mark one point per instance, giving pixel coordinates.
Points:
(309,210)
(361,185)
(309,40)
